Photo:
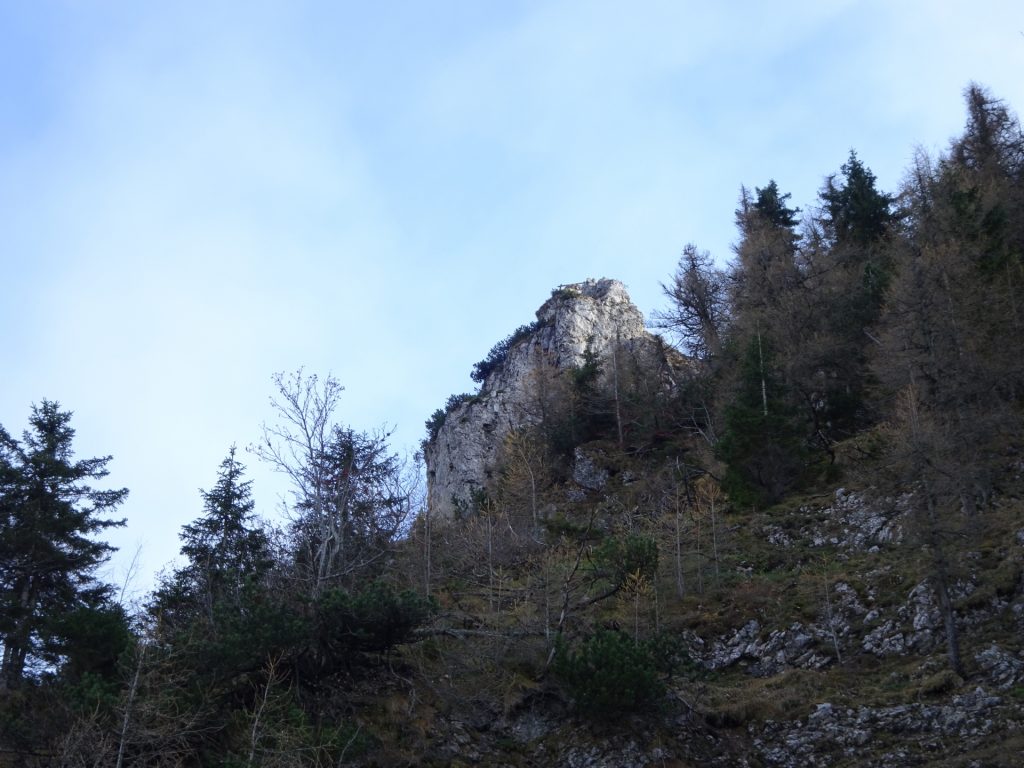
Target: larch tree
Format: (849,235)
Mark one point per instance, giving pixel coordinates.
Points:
(698,304)
(950,341)
(764,276)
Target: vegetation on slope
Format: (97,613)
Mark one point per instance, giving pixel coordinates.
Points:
(821,527)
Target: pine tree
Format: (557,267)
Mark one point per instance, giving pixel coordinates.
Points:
(48,558)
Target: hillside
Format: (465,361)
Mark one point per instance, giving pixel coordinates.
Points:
(788,532)
(806,632)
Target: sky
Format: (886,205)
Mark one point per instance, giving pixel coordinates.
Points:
(196,195)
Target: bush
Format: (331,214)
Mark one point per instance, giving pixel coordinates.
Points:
(496,357)
(436,420)
(375,619)
(609,674)
(633,556)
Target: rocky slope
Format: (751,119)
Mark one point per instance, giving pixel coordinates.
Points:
(808,633)
(822,647)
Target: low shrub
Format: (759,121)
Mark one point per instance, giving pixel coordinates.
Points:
(609,674)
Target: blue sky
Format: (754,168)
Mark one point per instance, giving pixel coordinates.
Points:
(196,195)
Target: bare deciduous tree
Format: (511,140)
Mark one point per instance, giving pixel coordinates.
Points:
(351,496)
(699,304)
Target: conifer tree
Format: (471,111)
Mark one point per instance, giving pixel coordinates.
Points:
(698,304)
(763,430)
(950,339)
(351,495)
(227,550)
(847,261)
(48,558)
(762,443)
(764,275)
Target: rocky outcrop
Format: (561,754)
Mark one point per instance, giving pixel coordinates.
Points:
(905,734)
(595,318)
(855,521)
(795,647)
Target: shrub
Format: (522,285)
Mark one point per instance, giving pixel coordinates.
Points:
(375,619)
(496,357)
(436,420)
(940,683)
(619,559)
(609,674)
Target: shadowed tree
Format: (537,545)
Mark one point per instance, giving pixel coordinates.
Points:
(764,430)
(846,258)
(950,341)
(227,551)
(48,558)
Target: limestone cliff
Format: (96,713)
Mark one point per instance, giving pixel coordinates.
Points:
(595,317)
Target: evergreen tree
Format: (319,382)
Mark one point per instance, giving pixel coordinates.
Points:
(763,432)
(762,443)
(856,213)
(766,285)
(227,551)
(846,258)
(48,558)
(352,496)
(771,205)
(345,530)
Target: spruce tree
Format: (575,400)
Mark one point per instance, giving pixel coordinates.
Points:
(226,549)
(48,558)
(762,444)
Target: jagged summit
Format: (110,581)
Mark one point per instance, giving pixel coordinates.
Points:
(594,317)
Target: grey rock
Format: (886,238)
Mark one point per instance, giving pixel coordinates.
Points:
(775,535)
(596,315)
(1004,669)
(587,472)
(887,639)
(925,618)
(860,521)
(829,733)
(794,647)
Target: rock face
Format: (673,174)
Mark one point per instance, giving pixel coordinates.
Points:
(895,735)
(595,316)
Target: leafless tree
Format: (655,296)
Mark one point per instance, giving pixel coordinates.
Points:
(350,495)
(698,306)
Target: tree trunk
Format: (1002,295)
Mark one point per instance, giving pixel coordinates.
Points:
(941,573)
(16,642)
